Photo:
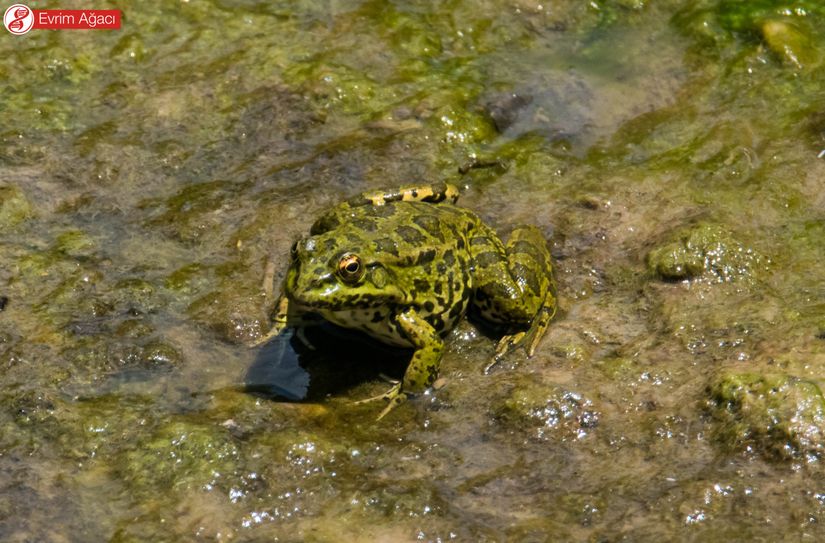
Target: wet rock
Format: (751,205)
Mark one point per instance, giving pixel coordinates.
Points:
(504,109)
(135,295)
(789,42)
(76,244)
(180,456)
(14,207)
(158,354)
(704,250)
(546,412)
(776,415)
(575,109)
(238,319)
(133,328)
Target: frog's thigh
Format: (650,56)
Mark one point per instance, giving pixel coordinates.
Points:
(498,296)
(423,369)
(530,264)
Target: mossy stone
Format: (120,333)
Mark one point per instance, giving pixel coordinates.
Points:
(705,249)
(777,415)
(14,207)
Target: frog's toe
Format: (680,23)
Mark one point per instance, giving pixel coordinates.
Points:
(530,338)
(266,338)
(394,396)
(395,401)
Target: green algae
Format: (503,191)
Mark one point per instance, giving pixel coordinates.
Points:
(14,206)
(777,415)
(546,412)
(705,249)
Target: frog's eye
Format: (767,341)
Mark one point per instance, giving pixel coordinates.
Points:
(350,268)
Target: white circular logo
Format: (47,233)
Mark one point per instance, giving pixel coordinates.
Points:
(18,19)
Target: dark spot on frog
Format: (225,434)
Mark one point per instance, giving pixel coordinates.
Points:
(410,235)
(377,317)
(429,306)
(436,322)
(425,257)
(460,244)
(324,224)
(438,288)
(478,240)
(368,225)
(420,285)
(384,211)
(386,245)
(441,268)
(430,225)
(448,258)
(487,259)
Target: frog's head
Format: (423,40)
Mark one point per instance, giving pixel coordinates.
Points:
(335,271)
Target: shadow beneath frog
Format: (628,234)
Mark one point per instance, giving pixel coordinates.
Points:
(287,369)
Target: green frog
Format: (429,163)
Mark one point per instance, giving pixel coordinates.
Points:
(405,265)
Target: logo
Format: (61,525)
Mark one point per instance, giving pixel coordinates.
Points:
(18,19)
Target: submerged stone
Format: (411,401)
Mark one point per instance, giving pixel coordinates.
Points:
(14,207)
(776,415)
(75,243)
(546,411)
(789,42)
(704,250)
(181,456)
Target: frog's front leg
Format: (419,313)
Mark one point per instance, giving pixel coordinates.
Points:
(423,369)
(286,314)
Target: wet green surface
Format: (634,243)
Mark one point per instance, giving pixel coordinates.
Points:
(668,150)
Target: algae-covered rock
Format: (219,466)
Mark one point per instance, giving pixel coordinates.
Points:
(14,207)
(233,316)
(546,411)
(789,42)
(75,243)
(181,456)
(704,250)
(777,415)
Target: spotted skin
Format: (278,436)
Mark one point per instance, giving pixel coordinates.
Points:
(405,265)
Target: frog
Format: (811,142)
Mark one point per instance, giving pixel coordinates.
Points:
(404,266)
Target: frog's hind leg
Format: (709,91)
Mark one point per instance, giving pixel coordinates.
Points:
(515,286)
(433,193)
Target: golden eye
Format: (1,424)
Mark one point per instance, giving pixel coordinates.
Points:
(350,268)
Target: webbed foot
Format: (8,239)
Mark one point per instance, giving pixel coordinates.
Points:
(394,396)
(529,338)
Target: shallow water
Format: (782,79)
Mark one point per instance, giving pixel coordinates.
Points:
(671,152)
